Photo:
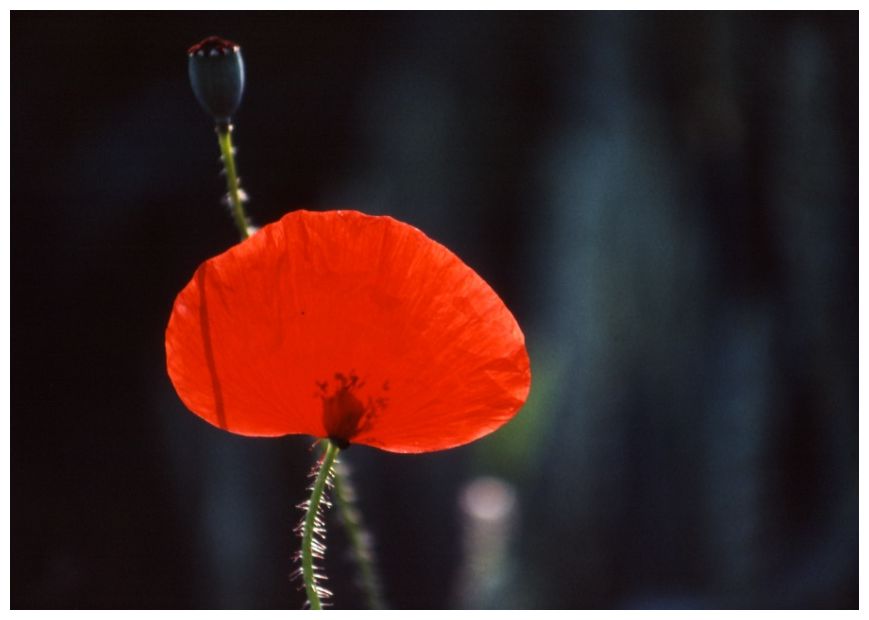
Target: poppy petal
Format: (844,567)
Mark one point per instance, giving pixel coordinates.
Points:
(345,325)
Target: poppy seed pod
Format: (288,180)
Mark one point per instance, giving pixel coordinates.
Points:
(217,76)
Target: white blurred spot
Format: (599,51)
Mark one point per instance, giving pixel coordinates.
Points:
(488,499)
(488,507)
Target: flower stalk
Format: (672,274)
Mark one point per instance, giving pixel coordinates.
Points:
(312,527)
(217,76)
(360,540)
(235,195)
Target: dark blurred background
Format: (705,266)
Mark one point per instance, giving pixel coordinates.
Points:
(666,201)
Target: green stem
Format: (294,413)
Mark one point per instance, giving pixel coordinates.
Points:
(308,576)
(358,537)
(350,516)
(224,138)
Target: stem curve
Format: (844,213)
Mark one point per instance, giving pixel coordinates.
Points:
(310,578)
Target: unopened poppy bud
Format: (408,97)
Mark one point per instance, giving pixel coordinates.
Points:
(217,76)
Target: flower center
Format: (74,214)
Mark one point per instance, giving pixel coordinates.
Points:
(346,412)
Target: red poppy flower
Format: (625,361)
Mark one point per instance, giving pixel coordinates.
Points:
(349,326)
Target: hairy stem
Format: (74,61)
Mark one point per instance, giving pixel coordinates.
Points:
(358,537)
(234,193)
(310,579)
(345,497)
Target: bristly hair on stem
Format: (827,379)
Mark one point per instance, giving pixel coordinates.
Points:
(235,196)
(312,529)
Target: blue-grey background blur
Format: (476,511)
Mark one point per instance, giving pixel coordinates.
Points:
(666,201)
